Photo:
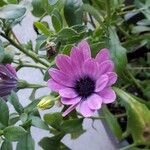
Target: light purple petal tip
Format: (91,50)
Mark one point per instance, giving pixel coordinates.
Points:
(68,93)
(94,102)
(112,78)
(85,110)
(64,63)
(101,83)
(107,95)
(60,77)
(54,86)
(85,48)
(72,101)
(106,66)
(90,67)
(103,55)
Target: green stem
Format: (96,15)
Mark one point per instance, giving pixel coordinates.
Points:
(31,54)
(32,66)
(136,40)
(22,84)
(135,81)
(103,117)
(128,147)
(108,8)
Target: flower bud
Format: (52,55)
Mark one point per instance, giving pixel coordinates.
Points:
(46,103)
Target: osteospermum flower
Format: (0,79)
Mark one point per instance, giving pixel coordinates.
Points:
(82,81)
(8,80)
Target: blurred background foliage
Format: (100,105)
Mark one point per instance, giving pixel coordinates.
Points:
(123,26)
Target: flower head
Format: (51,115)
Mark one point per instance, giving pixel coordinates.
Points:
(8,80)
(83,81)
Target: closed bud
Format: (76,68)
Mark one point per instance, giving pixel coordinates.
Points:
(46,103)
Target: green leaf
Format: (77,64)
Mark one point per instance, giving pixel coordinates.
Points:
(67,33)
(52,2)
(138,115)
(13,98)
(73,12)
(57,20)
(94,12)
(112,123)
(52,143)
(26,143)
(38,122)
(4,112)
(43,28)
(1,52)
(139,29)
(6,145)
(71,126)
(118,53)
(14,133)
(13,118)
(38,9)
(12,11)
(2,3)
(54,120)
(32,106)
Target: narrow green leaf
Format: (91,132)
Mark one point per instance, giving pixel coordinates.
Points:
(70,126)
(13,99)
(6,145)
(53,120)
(112,123)
(138,115)
(94,12)
(43,28)
(12,11)
(26,143)
(38,122)
(14,133)
(118,53)
(38,9)
(73,12)
(4,112)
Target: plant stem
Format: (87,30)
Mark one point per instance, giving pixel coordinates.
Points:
(128,147)
(32,66)
(108,8)
(22,84)
(135,81)
(136,40)
(103,117)
(31,54)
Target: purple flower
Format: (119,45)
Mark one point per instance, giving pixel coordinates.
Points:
(82,81)
(8,80)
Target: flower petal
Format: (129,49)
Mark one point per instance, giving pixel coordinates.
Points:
(85,48)
(85,110)
(60,77)
(103,55)
(54,86)
(68,93)
(77,60)
(90,67)
(101,83)
(64,63)
(72,101)
(94,101)
(112,77)
(106,66)
(71,108)
(11,69)
(107,95)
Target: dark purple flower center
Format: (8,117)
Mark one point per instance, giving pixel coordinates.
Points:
(85,86)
